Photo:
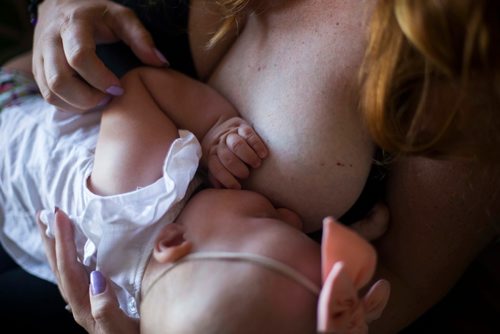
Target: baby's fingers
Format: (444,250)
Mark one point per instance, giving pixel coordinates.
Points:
(242,150)
(253,140)
(221,174)
(232,163)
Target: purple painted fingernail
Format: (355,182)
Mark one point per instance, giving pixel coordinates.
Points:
(97,283)
(161,57)
(115,90)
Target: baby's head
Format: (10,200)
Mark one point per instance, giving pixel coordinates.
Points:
(224,295)
(227,296)
(232,263)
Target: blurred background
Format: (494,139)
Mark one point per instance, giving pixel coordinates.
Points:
(15,28)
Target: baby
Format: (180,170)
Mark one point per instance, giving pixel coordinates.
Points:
(232,263)
(122,176)
(125,189)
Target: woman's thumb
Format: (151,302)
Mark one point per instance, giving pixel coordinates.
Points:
(106,311)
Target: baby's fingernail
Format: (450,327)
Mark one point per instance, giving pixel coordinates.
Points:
(97,283)
(115,90)
(161,57)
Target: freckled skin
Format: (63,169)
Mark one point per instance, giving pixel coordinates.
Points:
(302,102)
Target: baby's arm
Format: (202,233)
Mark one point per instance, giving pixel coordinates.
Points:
(134,139)
(229,143)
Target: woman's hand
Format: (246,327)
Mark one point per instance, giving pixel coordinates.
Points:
(65,65)
(95,309)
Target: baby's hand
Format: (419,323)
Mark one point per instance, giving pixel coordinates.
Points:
(229,149)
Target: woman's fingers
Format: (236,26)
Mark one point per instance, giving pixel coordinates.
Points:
(108,316)
(50,247)
(95,308)
(129,29)
(89,75)
(66,89)
(61,254)
(73,278)
(68,71)
(79,47)
(65,246)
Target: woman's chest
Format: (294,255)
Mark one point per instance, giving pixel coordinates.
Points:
(293,75)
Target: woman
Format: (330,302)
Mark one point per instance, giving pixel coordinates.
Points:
(431,96)
(293,73)
(443,211)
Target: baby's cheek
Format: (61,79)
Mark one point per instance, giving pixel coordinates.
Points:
(290,217)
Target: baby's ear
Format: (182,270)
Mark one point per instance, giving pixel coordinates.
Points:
(339,308)
(170,244)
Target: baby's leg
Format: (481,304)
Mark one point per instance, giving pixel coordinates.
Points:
(134,139)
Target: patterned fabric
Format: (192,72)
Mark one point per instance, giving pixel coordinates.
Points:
(13,86)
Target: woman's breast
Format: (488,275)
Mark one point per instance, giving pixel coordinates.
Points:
(299,93)
(320,156)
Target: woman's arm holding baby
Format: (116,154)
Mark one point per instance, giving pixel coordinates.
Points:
(94,306)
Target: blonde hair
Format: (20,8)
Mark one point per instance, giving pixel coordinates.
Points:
(421,49)
(232,11)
